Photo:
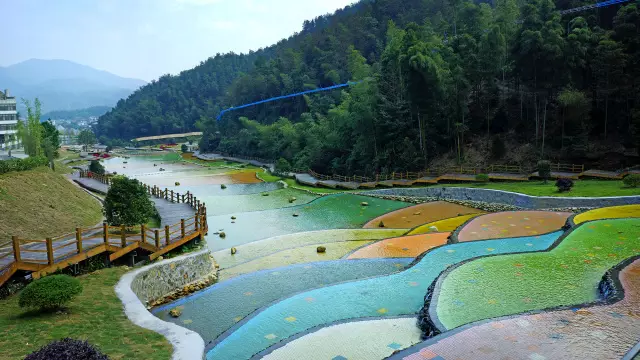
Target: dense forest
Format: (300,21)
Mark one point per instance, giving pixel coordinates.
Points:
(444,82)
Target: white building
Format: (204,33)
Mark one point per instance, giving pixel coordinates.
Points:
(8,121)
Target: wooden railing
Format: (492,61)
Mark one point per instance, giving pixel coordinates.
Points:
(43,256)
(570,168)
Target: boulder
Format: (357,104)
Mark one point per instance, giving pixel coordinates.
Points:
(233,251)
(433,229)
(295,215)
(292,199)
(233,218)
(160,258)
(364,203)
(175,312)
(380,224)
(321,249)
(223,186)
(177,183)
(265,194)
(222,234)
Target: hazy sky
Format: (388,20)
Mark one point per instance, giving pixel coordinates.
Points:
(147,38)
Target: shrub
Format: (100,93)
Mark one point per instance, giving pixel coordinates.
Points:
(544,169)
(22,164)
(184,148)
(50,292)
(96,167)
(66,349)
(632,180)
(482,178)
(283,165)
(564,184)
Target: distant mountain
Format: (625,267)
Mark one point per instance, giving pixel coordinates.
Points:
(76,114)
(65,85)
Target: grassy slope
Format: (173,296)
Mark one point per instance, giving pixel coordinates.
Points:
(96,315)
(582,188)
(40,203)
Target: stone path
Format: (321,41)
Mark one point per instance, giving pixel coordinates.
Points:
(598,332)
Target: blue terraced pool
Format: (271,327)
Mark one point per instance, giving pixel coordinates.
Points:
(398,294)
(218,308)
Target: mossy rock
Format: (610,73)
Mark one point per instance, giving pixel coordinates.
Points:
(296,215)
(222,234)
(233,218)
(223,186)
(364,203)
(380,224)
(292,200)
(321,249)
(175,312)
(177,183)
(265,194)
(233,251)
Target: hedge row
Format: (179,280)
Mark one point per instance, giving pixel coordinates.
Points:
(22,164)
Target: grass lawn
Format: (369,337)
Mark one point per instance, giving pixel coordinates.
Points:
(582,188)
(510,284)
(40,203)
(95,315)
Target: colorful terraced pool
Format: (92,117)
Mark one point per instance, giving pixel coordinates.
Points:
(340,211)
(218,308)
(420,214)
(564,276)
(393,295)
(614,212)
(407,246)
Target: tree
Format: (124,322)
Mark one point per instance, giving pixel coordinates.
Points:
(50,136)
(96,167)
(86,138)
(31,132)
(127,203)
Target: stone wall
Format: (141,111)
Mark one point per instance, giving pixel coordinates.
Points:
(505,197)
(172,275)
(138,287)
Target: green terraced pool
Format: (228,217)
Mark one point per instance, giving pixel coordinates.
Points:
(510,284)
(340,211)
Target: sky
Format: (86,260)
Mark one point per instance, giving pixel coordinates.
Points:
(145,39)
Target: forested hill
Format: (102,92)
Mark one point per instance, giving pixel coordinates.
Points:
(446,82)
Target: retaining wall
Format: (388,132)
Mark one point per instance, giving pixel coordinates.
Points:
(140,286)
(505,197)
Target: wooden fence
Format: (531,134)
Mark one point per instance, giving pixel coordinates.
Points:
(44,256)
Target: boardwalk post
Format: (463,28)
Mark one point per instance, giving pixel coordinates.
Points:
(182,229)
(50,251)
(79,239)
(166,193)
(105,233)
(183,198)
(197,219)
(143,233)
(16,248)
(171,195)
(123,236)
(166,235)
(157,233)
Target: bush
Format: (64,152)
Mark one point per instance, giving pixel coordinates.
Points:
(564,184)
(544,169)
(282,165)
(482,178)
(67,349)
(184,148)
(22,164)
(127,203)
(96,167)
(50,292)
(632,180)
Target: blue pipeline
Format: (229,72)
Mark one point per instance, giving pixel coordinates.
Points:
(350,83)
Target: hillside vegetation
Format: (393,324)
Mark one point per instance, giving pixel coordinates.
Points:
(39,203)
(444,82)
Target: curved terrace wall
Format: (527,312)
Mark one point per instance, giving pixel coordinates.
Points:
(505,197)
(139,287)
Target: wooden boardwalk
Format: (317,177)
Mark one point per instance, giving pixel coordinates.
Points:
(184,215)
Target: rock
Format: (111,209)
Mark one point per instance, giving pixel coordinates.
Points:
(433,229)
(175,312)
(177,183)
(233,218)
(380,224)
(223,186)
(292,199)
(364,203)
(295,215)
(417,213)
(233,251)
(233,222)
(160,258)
(321,249)
(222,234)
(265,194)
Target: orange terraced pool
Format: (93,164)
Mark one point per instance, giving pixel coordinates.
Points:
(405,246)
(512,224)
